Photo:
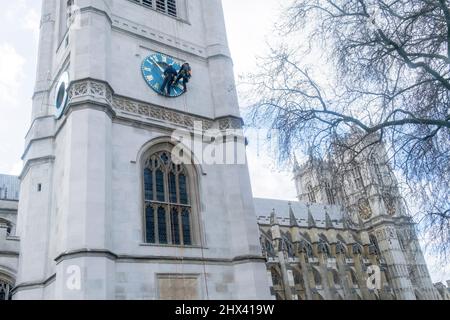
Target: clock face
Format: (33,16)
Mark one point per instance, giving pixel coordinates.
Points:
(61,95)
(153,71)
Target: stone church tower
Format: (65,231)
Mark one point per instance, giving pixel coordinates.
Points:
(105,212)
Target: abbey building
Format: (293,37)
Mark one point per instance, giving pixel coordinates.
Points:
(104,209)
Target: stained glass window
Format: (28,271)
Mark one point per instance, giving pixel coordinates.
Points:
(168,213)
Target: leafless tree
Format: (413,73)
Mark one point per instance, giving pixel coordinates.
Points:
(386,74)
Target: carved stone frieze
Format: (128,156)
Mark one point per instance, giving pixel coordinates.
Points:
(99,91)
(90,89)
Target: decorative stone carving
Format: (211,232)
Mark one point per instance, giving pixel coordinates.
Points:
(389,204)
(90,89)
(46,18)
(159,113)
(230,123)
(365,212)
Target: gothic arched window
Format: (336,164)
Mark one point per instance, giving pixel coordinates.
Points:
(6,224)
(278,286)
(373,248)
(330,193)
(267,246)
(341,246)
(168,208)
(335,277)
(377,169)
(5,291)
(357,248)
(317,277)
(353,278)
(311,194)
(357,176)
(287,246)
(323,246)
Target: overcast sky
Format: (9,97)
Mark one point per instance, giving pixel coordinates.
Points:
(249,24)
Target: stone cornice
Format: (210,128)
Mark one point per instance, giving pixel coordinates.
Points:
(33,285)
(9,253)
(115,257)
(35,161)
(162,259)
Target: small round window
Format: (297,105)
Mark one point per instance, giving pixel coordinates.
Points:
(60,96)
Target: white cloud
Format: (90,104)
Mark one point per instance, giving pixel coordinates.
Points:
(11,66)
(31,22)
(16,168)
(267,180)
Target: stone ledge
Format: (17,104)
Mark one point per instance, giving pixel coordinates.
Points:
(162,259)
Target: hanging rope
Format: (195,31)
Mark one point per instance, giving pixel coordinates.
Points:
(199,218)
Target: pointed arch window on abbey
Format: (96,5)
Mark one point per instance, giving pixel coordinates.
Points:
(377,169)
(311,194)
(373,248)
(330,193)
(323,246)
(287,246)
(168,212)
(357,177)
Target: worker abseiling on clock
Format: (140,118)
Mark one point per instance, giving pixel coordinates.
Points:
(184,74)
(169,77)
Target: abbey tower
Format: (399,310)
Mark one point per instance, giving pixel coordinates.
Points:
(104,211)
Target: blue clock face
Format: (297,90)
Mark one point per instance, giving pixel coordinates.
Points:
(153,69)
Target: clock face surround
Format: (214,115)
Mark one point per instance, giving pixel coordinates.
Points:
(153,68)
(61,94)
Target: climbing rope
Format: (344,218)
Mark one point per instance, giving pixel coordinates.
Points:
(199,217)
